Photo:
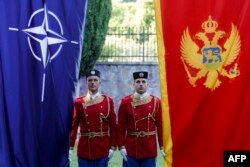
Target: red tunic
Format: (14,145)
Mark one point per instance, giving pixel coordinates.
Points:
(139,121)
(97,121)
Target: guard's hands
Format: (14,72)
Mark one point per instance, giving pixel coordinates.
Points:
(163,153)
(111,153)
(123,152)
(70,155)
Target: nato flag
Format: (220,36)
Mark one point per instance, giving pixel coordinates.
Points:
(40,48)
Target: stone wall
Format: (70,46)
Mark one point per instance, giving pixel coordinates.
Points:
(117,79)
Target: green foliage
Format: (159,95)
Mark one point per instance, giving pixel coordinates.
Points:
(133,22)
(131,31)
(127,14)
(98,16)
(139,13)
(108,51)
(149,16)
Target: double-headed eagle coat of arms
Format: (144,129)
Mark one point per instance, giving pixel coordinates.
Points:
(211,60)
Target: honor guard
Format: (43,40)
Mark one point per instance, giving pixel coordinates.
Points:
(139,122)
(94,114)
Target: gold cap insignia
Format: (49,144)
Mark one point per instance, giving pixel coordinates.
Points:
(141,74)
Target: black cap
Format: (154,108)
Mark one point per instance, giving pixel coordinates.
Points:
(140,75)
(93,73)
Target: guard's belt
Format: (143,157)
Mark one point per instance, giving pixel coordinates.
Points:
(141,133)
(94,134)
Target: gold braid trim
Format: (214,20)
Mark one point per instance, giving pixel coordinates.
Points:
(137,102)
(88,102)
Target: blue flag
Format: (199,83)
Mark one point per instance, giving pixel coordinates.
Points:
(40,49)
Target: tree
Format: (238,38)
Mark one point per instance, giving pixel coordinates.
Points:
(149,15)
(98,16)
(139,13)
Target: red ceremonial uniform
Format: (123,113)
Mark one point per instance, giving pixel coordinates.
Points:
(139,121)
(97,121)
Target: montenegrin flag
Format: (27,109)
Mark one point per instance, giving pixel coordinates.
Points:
(40,50)
(204,58)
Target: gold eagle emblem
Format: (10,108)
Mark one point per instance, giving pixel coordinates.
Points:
(211,60)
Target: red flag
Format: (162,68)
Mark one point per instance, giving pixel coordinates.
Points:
(204,59)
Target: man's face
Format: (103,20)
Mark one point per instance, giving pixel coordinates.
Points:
(93,83)
(141,85)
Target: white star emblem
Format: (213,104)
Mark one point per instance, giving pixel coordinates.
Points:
(45,37)
(49,37)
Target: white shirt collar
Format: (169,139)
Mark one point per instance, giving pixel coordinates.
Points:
(141,96)
(91,97)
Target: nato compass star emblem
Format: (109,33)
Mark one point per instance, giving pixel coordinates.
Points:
(44,36)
